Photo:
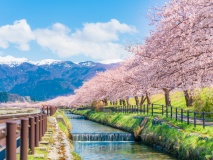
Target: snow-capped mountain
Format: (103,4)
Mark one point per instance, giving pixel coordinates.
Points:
(88,63)
(12,61)
(46,62)
(45,79)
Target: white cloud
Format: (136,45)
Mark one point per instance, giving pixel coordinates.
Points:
(99,41)
(95,40)
(19,34)
(108,31)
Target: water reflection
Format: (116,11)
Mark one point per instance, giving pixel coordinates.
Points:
(86,126)
(117,151)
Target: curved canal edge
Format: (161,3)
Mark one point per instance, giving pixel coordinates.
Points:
(65,126)
(175,138)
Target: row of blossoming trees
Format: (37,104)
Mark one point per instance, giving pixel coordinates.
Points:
(178,55)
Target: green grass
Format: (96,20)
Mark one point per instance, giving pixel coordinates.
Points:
(37,151)
(76,156)
(67,121)
(177,97)
(181,140)
(65,128)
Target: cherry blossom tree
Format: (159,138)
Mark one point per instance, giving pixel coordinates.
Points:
(178,55)
(180,47)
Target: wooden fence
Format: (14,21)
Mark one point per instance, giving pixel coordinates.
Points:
(28,128)
(197,118)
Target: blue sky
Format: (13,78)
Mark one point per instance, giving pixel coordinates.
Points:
(76,30)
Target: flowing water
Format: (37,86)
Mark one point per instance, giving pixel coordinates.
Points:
(94,141)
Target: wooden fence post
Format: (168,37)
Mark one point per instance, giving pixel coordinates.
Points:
(40,127)
(43,125)
(55,109)
(162,110)
(147,108)
(24,139)
(46,125)
(11,127)
(152,109)
(181,115)
(137,109)
(51,111)
(187,116)
(194,119)
(37,131)
(32,134)
(203,114)
(144,109)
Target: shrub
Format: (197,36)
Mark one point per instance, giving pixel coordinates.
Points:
(97,105)
(203,103)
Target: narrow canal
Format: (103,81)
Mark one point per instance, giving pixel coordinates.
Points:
(94,141)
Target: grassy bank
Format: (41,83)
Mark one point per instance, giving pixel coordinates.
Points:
(65,126)
(176,138)
(123,122)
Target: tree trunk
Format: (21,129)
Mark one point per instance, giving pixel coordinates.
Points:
(136,100)
(124,102)
(127,101)
(167,96)
(116,102)
(188,97)
(148,98)
(111,103)
(143,98)
(105,102)
(120,101)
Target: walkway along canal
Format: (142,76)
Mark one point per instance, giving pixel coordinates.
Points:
(94,141)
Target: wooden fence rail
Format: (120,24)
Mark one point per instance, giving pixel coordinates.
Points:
(34,125)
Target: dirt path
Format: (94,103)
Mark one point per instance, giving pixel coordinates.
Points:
(60,148)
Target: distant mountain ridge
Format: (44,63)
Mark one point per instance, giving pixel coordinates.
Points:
(45,79)
(7,97)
